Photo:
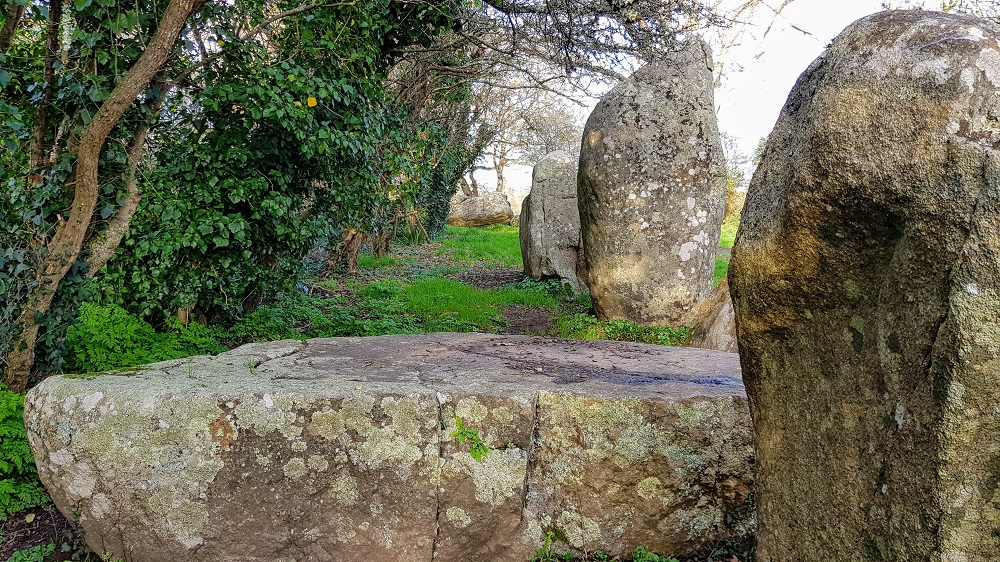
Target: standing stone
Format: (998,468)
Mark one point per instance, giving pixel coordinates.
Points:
(866,283)
(550,222)
(651,187)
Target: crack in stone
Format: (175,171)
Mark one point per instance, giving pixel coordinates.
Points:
(532,440)
(438,482)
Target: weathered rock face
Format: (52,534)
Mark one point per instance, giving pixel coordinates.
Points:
(340,450)
(550,222)
(489,207)
(652,191)
(713,322)
(866,283)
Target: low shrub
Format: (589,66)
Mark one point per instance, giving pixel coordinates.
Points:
(19,485)
(108,337)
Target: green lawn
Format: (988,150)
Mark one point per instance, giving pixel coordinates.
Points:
(497,244)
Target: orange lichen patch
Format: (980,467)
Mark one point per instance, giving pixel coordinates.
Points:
(222,431)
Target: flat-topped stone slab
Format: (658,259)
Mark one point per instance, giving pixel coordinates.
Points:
(341,449)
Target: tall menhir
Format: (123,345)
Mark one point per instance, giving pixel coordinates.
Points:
(651,190)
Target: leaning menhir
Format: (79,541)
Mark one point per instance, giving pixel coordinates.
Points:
(651,187)
(866,282)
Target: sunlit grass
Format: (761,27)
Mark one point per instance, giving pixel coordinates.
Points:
(493,244)
(721,269)
(448,305)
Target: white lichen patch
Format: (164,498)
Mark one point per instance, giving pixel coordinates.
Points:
(179,515)
(937,68)
(90,401)
(318,463)
(502,414)
(295,468)
(580,531)
(328,424)
(62,457)
(458,517)
(989,63)
(500,476)
(100,505)
(686,249)
(256,415)
(344,490)
(470,409)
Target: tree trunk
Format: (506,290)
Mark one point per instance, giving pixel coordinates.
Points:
(36,153)
(64,248)
(15,13)
(104,245)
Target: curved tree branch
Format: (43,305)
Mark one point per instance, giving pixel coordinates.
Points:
(64,248)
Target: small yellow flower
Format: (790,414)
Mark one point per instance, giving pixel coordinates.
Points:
(222,43)
(311,102)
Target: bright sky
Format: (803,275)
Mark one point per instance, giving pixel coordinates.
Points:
(762,67)
(761,70)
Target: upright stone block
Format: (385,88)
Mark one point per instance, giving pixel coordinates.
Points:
(550,222)
(866,284)
(652,190)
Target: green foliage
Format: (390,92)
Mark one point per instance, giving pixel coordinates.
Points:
(19,485)
(643,555)
(266,145)
(477,448)
(494,244)
(36,553)
(108,337)
(548,553)
(586,327)
(446,305)
(277,151)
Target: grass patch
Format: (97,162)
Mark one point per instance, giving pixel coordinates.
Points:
(497,244)
(380,310)
(372,261)
(445,305)
(586,327)
(721,269)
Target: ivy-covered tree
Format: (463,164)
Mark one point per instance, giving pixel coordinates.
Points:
(273,105)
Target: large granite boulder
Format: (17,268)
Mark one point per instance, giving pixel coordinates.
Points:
(489,207)
(341,449)
(652,190)
(866,284)
(550,222)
